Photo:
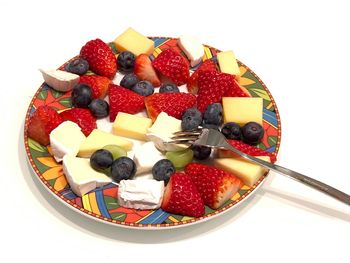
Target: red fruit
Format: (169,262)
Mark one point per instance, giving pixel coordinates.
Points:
(172,65)
(98,84)
(124,100)
(192,83)
(42,122)
(248,149)
(100,57)
(214,185)
(174,104)
(237,90)
(82,117)
(144,70)
(181,197)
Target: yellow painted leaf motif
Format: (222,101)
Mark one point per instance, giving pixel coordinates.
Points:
(243,70)
(245,81)
(60,183)
(48,161)
(53,173)
(261,93)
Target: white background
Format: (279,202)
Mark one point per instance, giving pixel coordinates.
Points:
(300,49)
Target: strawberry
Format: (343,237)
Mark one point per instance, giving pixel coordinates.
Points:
(144,70)
(246,148)
(98,84)
(192,83)
(172,65)
(82,117)
(181,197)
(124,100)
(214,185)
(100,57)
(237,90)
(42,122)
(174,104)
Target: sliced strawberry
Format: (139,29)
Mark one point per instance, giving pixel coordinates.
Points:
(181,197)
(172,65)
(100,57)
(246,148)
(237,90)
(174,104)
(124,100)
(144,70)
(82,117)
(42,122)
(214,185)
(98,84)
(192,83)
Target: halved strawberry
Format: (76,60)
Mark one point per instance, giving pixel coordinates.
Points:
(237,90)
(144,70)
(246,148)
(172,65)
(174,104)
(181,197)
(192,83)
(100,57)
(82,117)
(214,185)
(124,100)
(42,122)
(98,84)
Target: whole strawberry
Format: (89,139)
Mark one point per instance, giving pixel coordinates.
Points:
(42,122)
(174,104)
(181,197)
(214,185)
(192,83)
(98,84)
(173,66)
(82,117)
(124,100)
(100,57)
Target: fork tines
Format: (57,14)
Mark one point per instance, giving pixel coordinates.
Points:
(185,137)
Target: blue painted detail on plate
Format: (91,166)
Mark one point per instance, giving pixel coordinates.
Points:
(101,204)
(156,218)
(159,41)
(271,149)
(270,117)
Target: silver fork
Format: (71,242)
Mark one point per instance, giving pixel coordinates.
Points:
(215,139)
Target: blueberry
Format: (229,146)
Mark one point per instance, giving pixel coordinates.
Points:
(81,95)
(232,131)
(144,88)
(129,81)
(123,168)
(99,108)
(210,126)
(252,133)
(201,152)
(77,66)
(213,114)
(169,88)
(191,119)
(101,160)
(126,61)
(162,170)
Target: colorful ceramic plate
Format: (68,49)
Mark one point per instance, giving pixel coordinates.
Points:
(102,204)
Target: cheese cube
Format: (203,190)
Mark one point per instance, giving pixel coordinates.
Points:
(242,110)
(131,126)
(81,177)
(193,49)
(134,42)
(98,138)
(228,63)
(62,144)
(247,171)
(145,157)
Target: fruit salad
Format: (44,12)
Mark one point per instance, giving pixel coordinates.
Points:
(127,100)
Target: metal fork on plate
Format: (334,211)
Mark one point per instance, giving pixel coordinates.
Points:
(215,139)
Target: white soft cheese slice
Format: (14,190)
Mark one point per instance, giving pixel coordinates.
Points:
(60,80)
(81,177)
(140,194)
(66,138)
(193,49)
(146,156)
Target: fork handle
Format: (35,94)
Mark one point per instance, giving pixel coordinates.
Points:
(325,188)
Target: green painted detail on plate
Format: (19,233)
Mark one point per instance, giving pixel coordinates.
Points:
(272,140)
(42,94)
(118,216)
(111,202)
(34,145)
(67,102)
(56,94)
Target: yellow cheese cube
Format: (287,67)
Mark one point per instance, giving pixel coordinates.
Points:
(134,42)
(97,139)
(228,63)
(242,110)
(247,171)
(131,126)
